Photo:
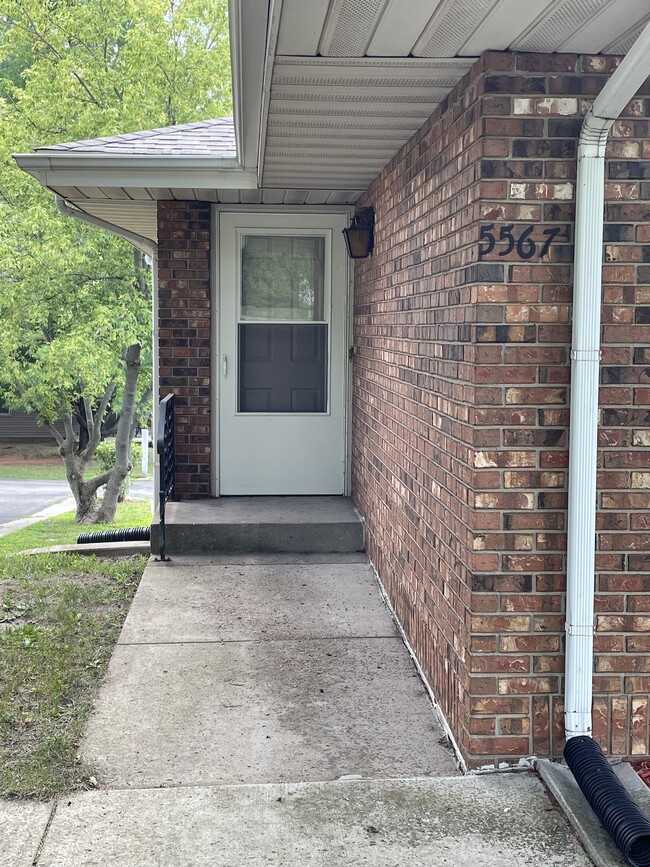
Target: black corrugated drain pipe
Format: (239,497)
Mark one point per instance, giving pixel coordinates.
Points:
(124,534)
(609,799)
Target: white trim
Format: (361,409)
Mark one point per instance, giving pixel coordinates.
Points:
(325,210)
(349,320)
(155,376)
(271,44)
(130,172)
(248,38)
(234,28)
(44,160)
(215,310)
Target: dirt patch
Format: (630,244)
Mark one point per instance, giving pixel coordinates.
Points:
(14,461)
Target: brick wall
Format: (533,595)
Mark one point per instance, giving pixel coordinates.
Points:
(184,311)
(461,404)
(413,389)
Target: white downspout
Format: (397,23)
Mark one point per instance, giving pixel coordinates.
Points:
(155,343)
(149,248)
(585,358)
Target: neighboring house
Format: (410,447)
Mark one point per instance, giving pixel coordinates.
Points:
(16,426)
(435,392)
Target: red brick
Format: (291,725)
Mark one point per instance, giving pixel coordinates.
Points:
(179,337)
(460,406)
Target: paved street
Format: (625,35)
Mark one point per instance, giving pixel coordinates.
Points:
(22,497)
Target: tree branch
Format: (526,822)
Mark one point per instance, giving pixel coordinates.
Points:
(87,89)
(90,278)
(93,485)
(88,417)
(57,436)
(35,32)
(69,430)
(95,433)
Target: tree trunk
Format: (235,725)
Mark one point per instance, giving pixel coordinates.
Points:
(89,509)
(120,471)
(84,492)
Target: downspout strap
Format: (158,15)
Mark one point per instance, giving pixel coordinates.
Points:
(586,355)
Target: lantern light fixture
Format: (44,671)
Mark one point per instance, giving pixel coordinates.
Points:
(359,235)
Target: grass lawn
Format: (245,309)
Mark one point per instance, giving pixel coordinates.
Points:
(42,461)
(63,529)
(60,615)
(51,471)
(32,471)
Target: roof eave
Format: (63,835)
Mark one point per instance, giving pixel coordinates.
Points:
(248,52)
(54,169)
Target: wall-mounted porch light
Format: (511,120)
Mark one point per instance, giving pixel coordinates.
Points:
(359,235)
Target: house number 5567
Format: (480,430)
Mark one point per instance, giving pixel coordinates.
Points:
(525,245)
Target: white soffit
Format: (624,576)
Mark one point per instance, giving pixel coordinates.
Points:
(449,28)
(136,210)
(336,122)
(352,80)
(342,86)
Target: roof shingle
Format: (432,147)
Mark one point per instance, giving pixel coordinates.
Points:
(214,138)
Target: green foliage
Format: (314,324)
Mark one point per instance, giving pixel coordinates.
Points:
(105,455)
(72,297)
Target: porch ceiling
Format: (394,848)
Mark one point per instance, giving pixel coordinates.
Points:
(350,81)
(325,94)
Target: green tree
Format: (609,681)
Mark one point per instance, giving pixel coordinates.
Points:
(75,301)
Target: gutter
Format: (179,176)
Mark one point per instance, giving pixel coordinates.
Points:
(585,365)
(60,168)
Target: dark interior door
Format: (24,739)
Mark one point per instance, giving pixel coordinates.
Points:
(282,368)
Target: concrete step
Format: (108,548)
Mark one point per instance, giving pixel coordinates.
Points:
(262,525)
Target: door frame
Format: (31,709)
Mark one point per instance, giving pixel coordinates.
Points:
(215,347)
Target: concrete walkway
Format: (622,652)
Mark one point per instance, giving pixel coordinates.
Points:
(263,710)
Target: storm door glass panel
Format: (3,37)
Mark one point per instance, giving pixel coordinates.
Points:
(282,278)
(283,338)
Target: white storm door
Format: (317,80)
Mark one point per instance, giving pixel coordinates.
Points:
(282,354)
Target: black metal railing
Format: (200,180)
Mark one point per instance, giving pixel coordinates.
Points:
(165,449)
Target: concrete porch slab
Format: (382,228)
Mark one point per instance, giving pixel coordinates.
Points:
(261,525)
(202,601)
(487,821)
(259,712)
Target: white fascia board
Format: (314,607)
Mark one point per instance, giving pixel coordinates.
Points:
(275,13)
(125,170)
(248,48)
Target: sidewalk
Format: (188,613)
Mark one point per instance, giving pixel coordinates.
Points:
(263,710)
